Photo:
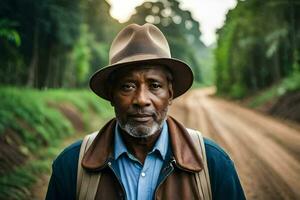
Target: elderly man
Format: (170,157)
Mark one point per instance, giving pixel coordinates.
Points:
(143,154)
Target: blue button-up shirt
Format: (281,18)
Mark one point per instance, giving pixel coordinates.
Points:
(139,180)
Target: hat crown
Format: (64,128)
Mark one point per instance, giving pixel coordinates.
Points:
(137,42)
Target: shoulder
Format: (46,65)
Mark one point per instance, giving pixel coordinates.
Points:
(214,151)
(68,158)
(217,158)
(223,176)
(70,152)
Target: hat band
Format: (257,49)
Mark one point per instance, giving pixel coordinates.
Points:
(140,50)
(142,57)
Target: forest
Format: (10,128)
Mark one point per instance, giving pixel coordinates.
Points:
(258,46)
(53,44)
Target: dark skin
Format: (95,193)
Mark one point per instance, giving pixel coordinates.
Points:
(141,96)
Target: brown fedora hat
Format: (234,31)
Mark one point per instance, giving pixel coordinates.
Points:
(136,45)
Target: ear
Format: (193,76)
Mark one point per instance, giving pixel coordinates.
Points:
(111,96)
(170,88)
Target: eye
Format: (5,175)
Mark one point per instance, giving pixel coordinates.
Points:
(127,87)
(155,85)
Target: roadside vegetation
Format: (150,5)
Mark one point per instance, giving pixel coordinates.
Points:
(257,47)
(33,124)
(288,85)
(257,57)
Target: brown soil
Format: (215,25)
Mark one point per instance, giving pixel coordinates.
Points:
(287,107)
(11,152)
(265,150)
(71,113)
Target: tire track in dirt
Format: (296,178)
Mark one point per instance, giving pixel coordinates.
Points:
(265,150)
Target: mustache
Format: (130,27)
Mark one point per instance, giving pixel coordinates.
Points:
(141,111)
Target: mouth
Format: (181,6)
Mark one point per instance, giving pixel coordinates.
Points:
(142,118)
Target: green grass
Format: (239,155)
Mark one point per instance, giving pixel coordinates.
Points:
(289,84)
(33,108)
(17,183)
(40,126)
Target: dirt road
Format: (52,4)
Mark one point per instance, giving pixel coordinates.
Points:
(266,151)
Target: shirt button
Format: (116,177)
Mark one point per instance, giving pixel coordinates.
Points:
(143,174)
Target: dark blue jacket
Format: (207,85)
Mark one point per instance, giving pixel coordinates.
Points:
(224,180)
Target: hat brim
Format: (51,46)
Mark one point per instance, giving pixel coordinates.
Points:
(181,73)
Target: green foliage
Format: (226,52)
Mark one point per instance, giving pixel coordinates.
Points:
(257,48)
(81,57)
(237,91)
(8,32)
(64,42)
(25,112)
(13,184)
(288,84)
(16,184)
(60,41)
(199,85)
(35,116)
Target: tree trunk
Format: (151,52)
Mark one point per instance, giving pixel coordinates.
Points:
(32,73)
(276,68)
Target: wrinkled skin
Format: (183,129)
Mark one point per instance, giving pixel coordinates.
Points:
(141,97)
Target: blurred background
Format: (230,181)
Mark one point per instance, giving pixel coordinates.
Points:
(245,55)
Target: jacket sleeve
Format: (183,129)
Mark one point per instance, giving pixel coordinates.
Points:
(228,185)
(54,189)
(225,183)
(63,180)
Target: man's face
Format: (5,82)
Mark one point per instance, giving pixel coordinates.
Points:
(141,97)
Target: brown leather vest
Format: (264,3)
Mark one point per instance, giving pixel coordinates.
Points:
(177,178)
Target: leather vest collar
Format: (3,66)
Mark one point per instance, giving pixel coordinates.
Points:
(183,149)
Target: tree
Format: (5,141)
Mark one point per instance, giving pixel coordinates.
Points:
(257,48)
(61,40)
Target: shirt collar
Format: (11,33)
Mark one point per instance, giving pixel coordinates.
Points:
(160,145)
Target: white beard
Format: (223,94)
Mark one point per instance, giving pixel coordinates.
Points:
(140,131)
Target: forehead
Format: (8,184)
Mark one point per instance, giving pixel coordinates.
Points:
(141,70)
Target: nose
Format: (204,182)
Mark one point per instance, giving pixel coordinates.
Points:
(141,98)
